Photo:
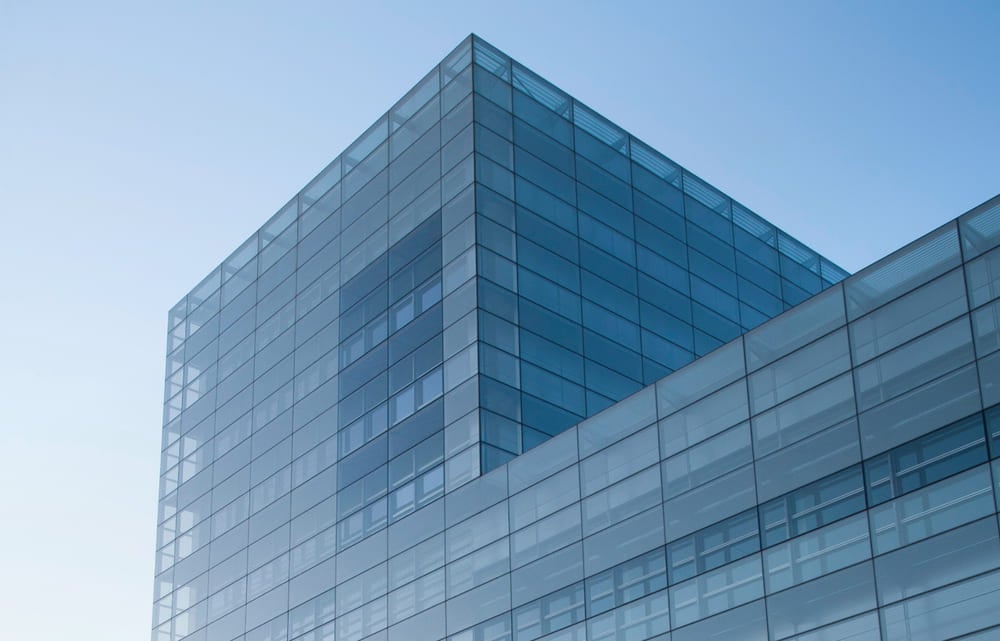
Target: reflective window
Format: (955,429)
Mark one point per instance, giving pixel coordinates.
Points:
(714,546)
(819,552)
(550,613)
(831,598)
(813,506)
(716,591)
(926,460)
(956,500)
(626,582)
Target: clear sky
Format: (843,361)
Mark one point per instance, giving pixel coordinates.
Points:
(141,142)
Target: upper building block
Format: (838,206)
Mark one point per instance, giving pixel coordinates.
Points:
(490,264)
(485,266)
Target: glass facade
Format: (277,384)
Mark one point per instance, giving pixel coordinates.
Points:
(602,265)
(493,268)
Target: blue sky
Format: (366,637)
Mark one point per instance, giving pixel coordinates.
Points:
(141,142)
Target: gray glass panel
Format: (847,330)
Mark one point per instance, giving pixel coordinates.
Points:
(804,416)
(622,500)
(807,460)
(947,613)
(709,503)
(427,591)
(480,604)
(707,460)
(922,410)
(909,316)
(819,552)
(429,625)
(783,335)
(938,561)
(619,461)
(547,574)
(811,605)
(912,517)
(745,623)
(980,228)
(986,328)
(544,498)
(471,534)
(642,619)
(550,457)
(799,371)
(913,364)
(917,263)
(423,523)
(701,377)
(983,278)
(475,496)
(618,543)
(704,419)
(618,421)
(478,568)
(419,560)
(716,591)
(545,536)
(861,628)
(989,379)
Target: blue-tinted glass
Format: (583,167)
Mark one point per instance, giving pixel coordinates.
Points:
(926,460)
(311,405)
(993,430)
(813,506)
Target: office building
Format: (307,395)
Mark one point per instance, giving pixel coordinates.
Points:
(502,372)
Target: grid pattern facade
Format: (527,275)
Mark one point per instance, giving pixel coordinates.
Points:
(469,279)
(603,266)
(309,393)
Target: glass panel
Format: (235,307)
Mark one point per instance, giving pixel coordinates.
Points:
(803,416)
(980,228)
(710,503)
(707,374)
(926,460)
(938,561)
(919,411)
(720,590)
(630,580)
(913,364)
(706,461)
(703,419)
(805,461)
(713,546)
(618,421)
(630,538)
(909,316)
(830,598)
(621,500)
(745,623)
(548,574)
(813,506)
(541,90)
(550,457)
(799,371)
(910,267)
(619,461)
(549,613)
(545,536)
(936,508)
(545,497)
(820,552)
(861,628)
(643,619)
(947,613)
(983,276)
